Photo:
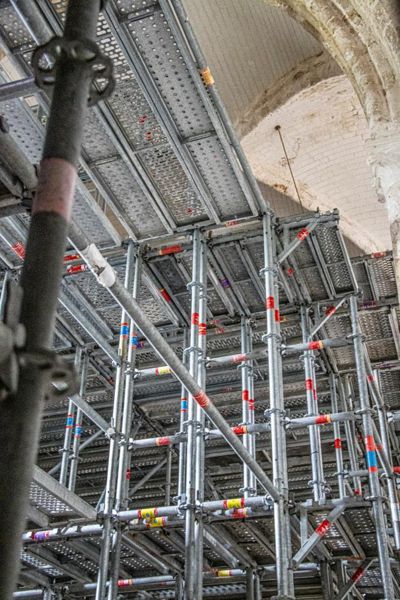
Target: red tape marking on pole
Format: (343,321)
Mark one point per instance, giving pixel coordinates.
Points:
(323,527)
(77,269)
(70,257)
(202,328)
(125,582)
(202,399)
(239,358)
(270,303)
(240,429)
(303,234)
(323,419)
(370,443)
(165,295)
(316,345)
(357,575)
(163,441)
(174,249)
(19,250)
(240,513)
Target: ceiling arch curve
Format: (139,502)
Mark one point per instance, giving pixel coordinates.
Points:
(364,40)
(267,55)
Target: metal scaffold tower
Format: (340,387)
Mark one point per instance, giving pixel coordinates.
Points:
(217,387)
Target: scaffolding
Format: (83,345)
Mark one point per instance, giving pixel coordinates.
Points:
(234,432)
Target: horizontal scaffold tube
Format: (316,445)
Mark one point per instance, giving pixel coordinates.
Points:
(316,345)
(236,359)
(177,438)
(149,515)
(166,579)
(231,359)
(364,472)
(107,277)
(211,506)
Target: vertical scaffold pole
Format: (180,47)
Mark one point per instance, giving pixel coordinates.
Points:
(69,429)
(337,438)
(51,214)
(350,433)
(200,419)
(284,573)
(317,466)
(78,427)
(384,434)
(168,477)
(249,584)
(253,436)
(115,439)
(249,482)
(183,418)
(371,456)
(124,473)
(257,586)
(192,460)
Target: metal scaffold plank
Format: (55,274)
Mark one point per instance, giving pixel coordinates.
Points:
(71,500)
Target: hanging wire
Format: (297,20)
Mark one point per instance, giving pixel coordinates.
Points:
(278,129)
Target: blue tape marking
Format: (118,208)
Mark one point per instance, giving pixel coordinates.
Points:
(371,459)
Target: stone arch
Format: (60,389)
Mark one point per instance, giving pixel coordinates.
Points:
(307,73)
(363,37)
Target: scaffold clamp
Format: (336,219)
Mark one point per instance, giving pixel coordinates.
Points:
(46,57)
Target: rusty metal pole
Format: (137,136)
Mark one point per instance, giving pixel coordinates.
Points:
(20,414)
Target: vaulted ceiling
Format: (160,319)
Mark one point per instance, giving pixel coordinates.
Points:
(271,71)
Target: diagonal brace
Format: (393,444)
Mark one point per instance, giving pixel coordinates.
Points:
(317,535)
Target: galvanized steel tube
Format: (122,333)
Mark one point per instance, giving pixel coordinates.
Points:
(337,439)
(109,532)
(192,459)
(76,445)
(317,466)
(374,484)
(127,358)
(200,419)
(350,434)
(373,379)
(182,420)
(51,212)
(278,434)
(247,405)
